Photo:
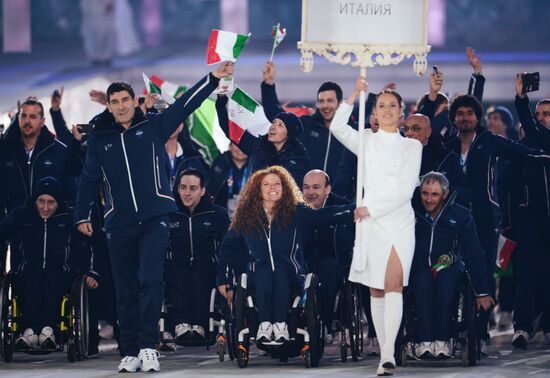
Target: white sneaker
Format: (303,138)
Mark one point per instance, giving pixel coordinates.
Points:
(27,340)
(520,339)
(149,359)
(184,331)
(442,349)
(280,331)
(198,331)
(505,320)
(265,330)
(425,349)
(47,338)
(129,364)
(372,348)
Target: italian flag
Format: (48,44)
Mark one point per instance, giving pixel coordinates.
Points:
(505,249)
(224,45)
(278,35)
(245,114)
(169,91)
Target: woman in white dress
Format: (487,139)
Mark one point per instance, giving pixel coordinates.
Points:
(383,259)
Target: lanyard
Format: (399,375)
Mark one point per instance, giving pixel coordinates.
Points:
(242,181)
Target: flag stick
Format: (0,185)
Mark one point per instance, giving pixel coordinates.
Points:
(274,41)
(360,172)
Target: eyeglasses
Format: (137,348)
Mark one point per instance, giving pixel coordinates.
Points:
(414,129)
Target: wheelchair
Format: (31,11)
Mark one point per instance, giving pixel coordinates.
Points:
(304,324)
(464,328)
(73,327)
(220,331)
(348,315)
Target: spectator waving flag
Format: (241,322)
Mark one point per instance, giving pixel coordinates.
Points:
(245,114)
(169,91)
(224,45)
(278,35)
(505,249)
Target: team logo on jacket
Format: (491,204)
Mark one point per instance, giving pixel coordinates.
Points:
(139,133)
(61,225)
(314,134)
(163,224)
(292,162)
(206,223)
(452,221)
(107,146)
(48,163)
(174,224)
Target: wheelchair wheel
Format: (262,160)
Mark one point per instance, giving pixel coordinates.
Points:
(77,348)
(7,338)
(343,351)
(221,347)
(307,359)
(356,331)
(242,358)
(230,340)
(314,324)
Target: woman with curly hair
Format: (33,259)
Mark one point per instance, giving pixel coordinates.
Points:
(382,259)
(271,221)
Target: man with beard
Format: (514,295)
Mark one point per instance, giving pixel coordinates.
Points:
(323,149)
(29,152)
(478,149)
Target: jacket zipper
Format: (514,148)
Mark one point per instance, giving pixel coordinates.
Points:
(129,173)
(328,149)
(433,225)
(546,189)
(191,239)
(45,241)
(268,236)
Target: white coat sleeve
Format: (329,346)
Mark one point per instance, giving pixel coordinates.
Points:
(346,134)
(383,203)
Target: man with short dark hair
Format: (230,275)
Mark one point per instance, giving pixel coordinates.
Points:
(324,151)
(126,151)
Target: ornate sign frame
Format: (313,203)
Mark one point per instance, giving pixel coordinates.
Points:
(363,55)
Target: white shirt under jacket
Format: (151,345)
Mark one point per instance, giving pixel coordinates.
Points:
(392,168)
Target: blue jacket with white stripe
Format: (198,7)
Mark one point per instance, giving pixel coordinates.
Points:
(277,246)
(130,162)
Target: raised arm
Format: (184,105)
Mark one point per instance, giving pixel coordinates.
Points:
(339,125)
(270,101)
(477,81)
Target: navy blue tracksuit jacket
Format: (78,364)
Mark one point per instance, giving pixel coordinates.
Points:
(122,158)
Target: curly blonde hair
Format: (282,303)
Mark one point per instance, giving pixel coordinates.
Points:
(250,214)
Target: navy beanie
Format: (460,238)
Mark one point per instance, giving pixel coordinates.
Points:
(51,186)
(505,115)
(292,123)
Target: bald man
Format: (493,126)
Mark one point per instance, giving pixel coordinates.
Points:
(436,158)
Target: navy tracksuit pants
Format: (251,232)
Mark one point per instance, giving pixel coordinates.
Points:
(532,259)
(274,291)
(189,288)
(488,233)
(40,292)
(137,258)
(433,300)
(331,276)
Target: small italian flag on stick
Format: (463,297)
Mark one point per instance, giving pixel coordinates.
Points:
(278,35)
(245,114)
(167,90)
(224,46)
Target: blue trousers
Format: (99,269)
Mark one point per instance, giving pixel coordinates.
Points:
(331,275)
(40,292)
(433,300)
(488,233)
(274,292)
(137,259)
(189,288)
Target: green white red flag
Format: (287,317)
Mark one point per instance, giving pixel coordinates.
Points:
(278,35)
(169,91)
(245,114)
(223,45)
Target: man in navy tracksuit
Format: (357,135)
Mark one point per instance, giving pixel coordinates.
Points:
(196,232)
(533,254)
(446,245)
(128,155)
(28,153)
(478,149)
(51,248)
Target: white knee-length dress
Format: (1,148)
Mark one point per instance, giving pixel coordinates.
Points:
(392,168)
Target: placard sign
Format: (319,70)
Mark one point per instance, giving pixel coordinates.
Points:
(393,29)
